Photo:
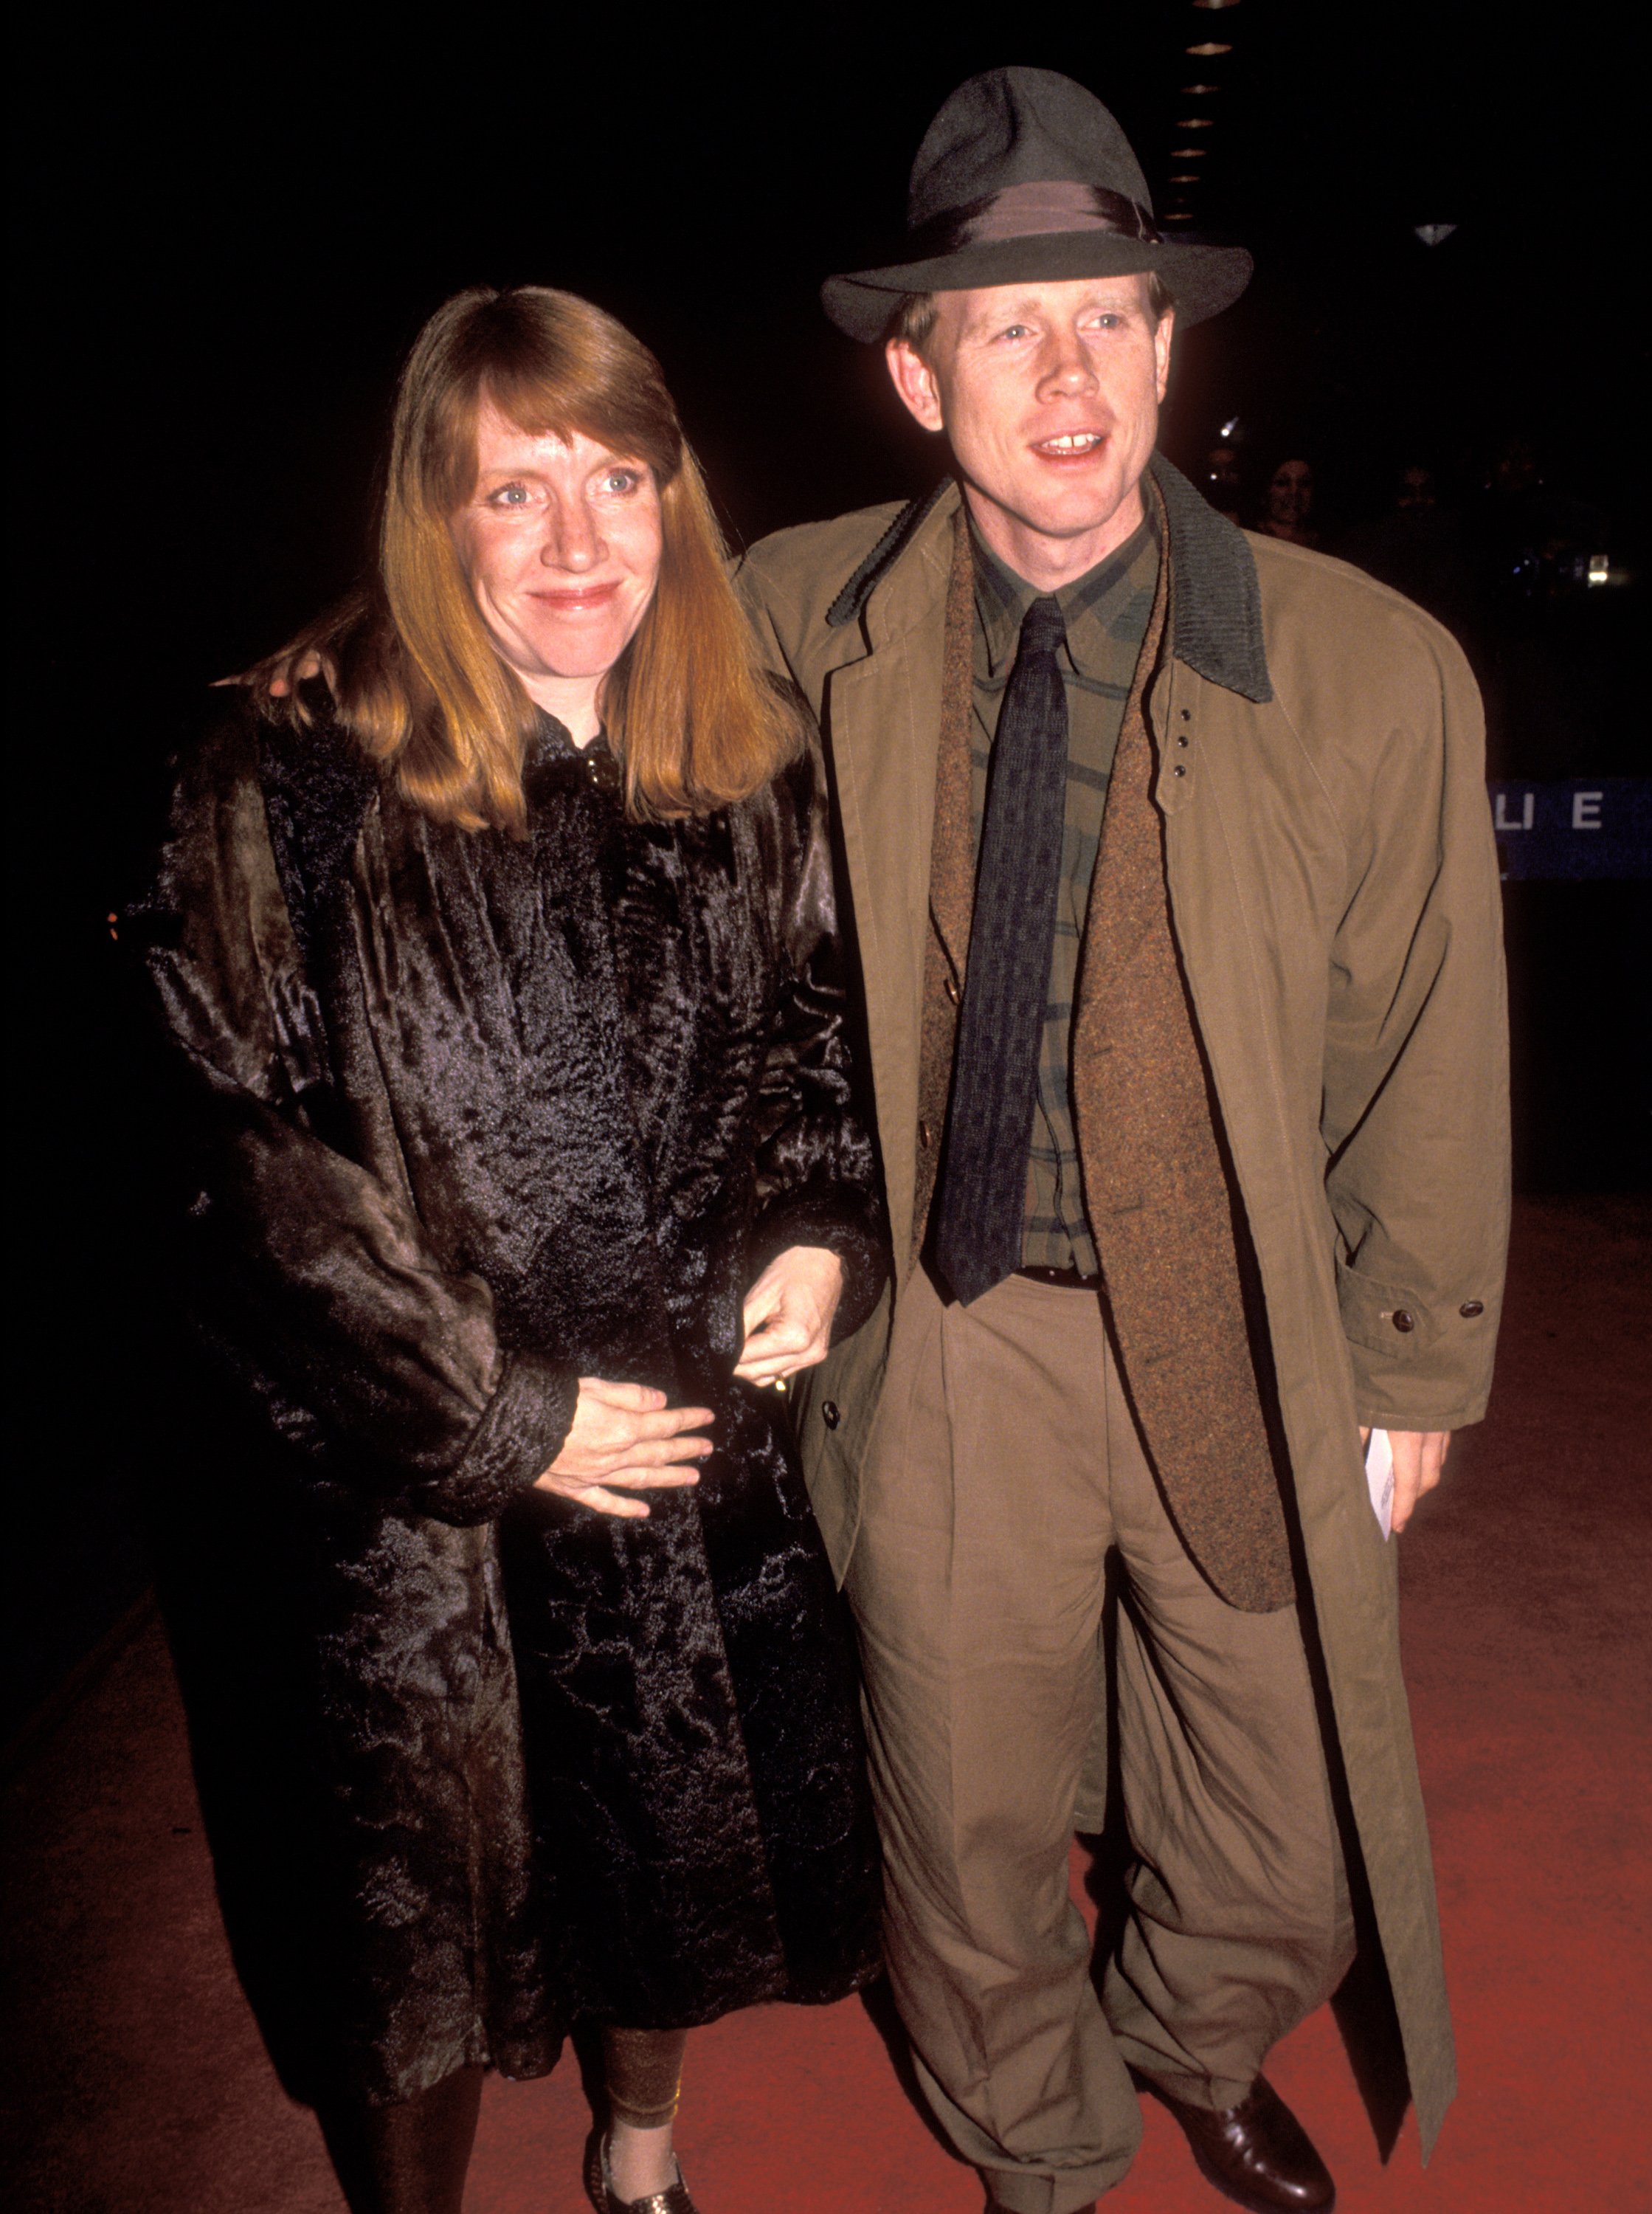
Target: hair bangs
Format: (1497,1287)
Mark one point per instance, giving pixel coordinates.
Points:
(544,405)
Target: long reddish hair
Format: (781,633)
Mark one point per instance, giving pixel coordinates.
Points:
(696,720)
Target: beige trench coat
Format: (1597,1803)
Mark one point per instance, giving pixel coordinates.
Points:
(1334,890)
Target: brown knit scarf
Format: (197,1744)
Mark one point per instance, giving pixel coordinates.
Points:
(1163,1216)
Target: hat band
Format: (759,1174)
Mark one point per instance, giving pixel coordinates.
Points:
(1032,211)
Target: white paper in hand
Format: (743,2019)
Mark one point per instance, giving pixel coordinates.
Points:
(1379,1475)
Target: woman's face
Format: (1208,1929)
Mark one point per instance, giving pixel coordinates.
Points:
(560,542)
(1290,495)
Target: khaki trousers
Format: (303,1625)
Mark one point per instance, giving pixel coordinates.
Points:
(1004,1467)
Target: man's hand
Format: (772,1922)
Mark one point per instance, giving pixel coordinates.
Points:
(1419,1463)
(278,674)
(625,1438)
(788,1313)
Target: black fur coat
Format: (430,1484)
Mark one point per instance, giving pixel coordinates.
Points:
(465,1116)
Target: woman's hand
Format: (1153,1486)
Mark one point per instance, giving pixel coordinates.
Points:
(625,1438)
(788,1314)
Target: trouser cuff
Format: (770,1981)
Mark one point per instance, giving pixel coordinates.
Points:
(1026,2191)
(1215,2093)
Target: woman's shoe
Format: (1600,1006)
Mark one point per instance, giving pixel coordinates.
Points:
(599,2186)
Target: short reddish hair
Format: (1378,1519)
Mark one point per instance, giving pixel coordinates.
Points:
(913,319)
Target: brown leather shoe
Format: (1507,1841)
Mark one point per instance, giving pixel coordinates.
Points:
(1256,2152)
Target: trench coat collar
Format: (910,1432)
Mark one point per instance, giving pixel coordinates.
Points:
(1215,595)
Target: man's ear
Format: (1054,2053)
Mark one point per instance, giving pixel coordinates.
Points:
(914,380)
(1161,341)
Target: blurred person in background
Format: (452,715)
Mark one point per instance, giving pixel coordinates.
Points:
(1536,537)
(1558,642)
(1421,547)
(1224,485)
(1287,504)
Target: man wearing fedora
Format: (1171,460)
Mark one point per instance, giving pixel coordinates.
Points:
(1169,866)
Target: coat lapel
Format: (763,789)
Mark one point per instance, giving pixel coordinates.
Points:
(952,883)
(882,714)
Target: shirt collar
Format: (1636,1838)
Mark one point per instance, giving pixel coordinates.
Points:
(1002,597)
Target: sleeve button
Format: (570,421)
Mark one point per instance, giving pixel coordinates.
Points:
(829,1414)
(952,989)
(1403,1320)
(924,1135)
(1469,1308)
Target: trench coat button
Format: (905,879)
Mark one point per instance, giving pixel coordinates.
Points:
(1180,769)
(952,989)
(1181,737)
(1187,714)
(829,1414)
(1403,1320)
(1469,1308)
(925,1134)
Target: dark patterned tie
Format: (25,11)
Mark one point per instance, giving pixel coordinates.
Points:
(979,1223)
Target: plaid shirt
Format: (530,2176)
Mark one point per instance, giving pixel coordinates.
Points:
(1106,613)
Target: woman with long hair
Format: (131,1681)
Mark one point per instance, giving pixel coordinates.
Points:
(500,979)
(1287,504)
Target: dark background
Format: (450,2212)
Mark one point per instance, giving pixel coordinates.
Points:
(229,230)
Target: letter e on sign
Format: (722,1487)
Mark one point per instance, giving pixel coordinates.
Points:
(1586,810)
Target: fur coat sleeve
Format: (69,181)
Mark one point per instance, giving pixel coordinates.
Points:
(311,1273)
(811,1168)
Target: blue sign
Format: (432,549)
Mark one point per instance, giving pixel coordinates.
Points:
(1589,826)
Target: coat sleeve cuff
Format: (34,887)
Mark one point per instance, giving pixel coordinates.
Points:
(857,1241)
(1433,1395)
(1422,1360)
(520,1434)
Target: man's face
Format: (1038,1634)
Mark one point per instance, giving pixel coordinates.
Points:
(1049,394)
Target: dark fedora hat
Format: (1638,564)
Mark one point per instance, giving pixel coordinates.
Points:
(1025,176)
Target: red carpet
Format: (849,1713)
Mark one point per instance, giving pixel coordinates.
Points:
(1528,1594)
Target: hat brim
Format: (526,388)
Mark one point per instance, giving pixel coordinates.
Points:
(1202,279)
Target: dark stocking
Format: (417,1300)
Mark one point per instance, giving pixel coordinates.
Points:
(410,2158)
(643,2068)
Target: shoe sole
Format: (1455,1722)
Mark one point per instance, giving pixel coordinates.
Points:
(1253,2204)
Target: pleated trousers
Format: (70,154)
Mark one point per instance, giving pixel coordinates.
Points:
(1004,1468)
